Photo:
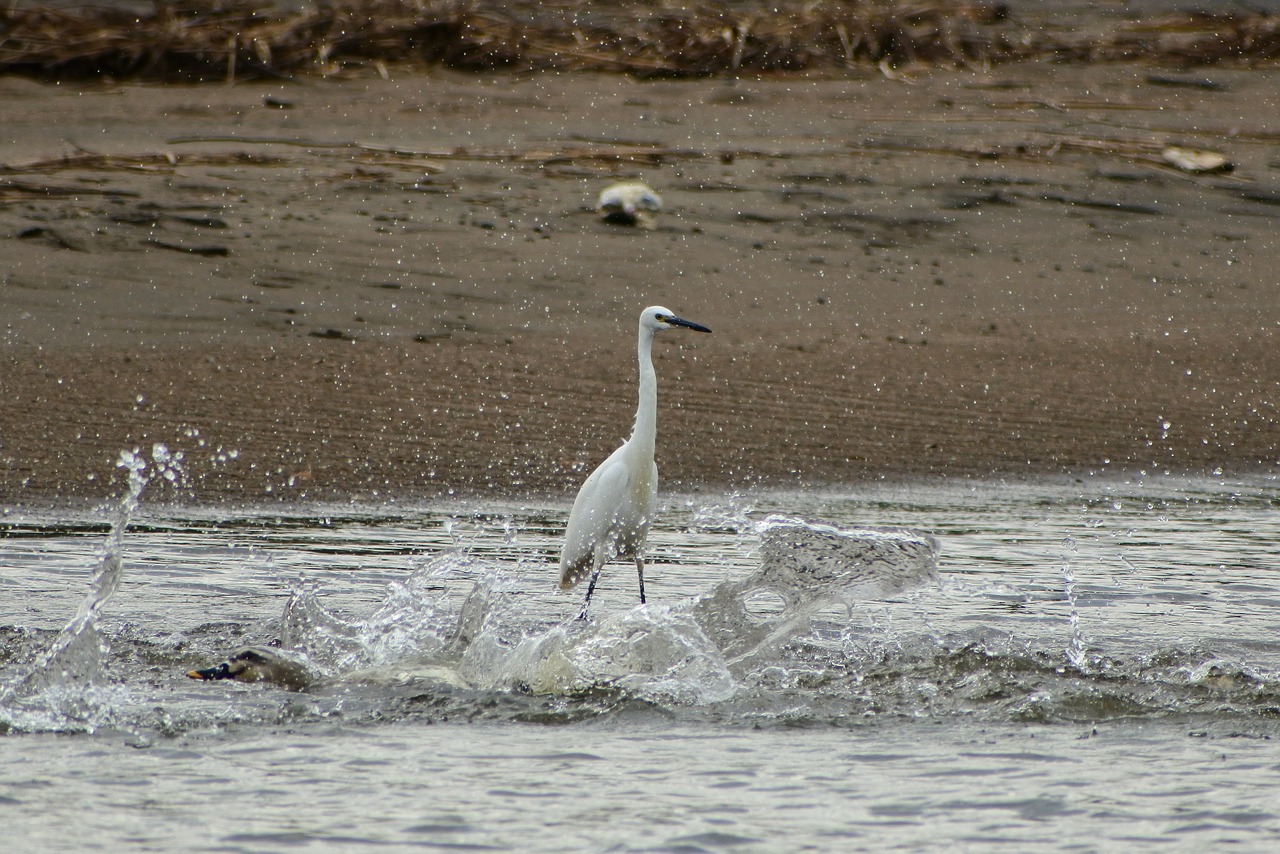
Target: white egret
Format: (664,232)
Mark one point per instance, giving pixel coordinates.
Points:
(611,515)
(629,203)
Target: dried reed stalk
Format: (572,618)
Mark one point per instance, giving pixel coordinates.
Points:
(231,39)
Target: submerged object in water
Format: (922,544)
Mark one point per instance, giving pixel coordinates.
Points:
(259,664)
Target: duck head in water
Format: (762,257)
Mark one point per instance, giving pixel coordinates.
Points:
(257,664)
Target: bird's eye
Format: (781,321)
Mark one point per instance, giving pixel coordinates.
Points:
(660,317)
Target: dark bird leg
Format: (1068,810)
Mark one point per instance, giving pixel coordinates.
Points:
(591,588)
(640,571)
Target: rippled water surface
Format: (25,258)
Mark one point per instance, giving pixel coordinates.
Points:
(1094,665)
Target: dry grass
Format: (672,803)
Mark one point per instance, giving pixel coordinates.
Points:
(215,40)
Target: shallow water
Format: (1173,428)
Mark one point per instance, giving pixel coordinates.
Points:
(1095,666)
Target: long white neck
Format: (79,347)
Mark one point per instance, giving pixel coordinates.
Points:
(645,432)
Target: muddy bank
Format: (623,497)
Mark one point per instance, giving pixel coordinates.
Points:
(374,288)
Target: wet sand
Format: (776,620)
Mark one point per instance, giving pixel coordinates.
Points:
(397,289)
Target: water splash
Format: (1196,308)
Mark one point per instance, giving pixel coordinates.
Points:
(421,630)
(66,687)
(793,637)
(731,515)
(1076,647)
(688,653)
(811,566)
(412,619)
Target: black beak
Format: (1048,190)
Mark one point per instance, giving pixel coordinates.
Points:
(219,671)
(687,324)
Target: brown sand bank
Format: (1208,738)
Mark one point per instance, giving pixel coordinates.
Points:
(398,288)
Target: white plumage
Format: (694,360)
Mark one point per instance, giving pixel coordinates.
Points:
(613,510)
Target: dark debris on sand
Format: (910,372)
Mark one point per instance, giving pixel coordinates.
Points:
(227,39)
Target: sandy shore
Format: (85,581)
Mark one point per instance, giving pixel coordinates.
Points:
(398,289)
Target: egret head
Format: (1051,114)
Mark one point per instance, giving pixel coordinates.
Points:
(657,318)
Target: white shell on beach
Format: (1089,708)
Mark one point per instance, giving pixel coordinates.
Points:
(629,203)
(1195,160)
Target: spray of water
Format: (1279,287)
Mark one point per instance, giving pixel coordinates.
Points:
(67,686)
(691,653)
(1076,648)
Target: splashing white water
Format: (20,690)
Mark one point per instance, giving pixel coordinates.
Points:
(1076,647)
(66,687)
(691,653)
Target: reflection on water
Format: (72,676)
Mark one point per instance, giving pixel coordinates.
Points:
(1075,632)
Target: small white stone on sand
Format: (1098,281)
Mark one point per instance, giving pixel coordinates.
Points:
(629,203)
(1195,160)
